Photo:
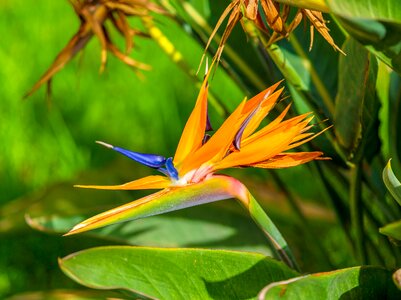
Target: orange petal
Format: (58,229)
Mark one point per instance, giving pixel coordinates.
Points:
(252,103)
(194,130)
(266,105)
(306,139)
(286,160)
(149,182)
(218,144)
(265,147)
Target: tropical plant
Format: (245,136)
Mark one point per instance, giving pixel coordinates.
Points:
(331,211)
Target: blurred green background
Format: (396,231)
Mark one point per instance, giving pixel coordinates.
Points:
(45,142)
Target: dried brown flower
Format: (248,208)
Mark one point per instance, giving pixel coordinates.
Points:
(275,15)
(93,15)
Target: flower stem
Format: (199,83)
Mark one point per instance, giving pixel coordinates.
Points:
(320,86)
(357,213)
(167,46)
(240,63)
(306,227)
(271,231)
(319,5)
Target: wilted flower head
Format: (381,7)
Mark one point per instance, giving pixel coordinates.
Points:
(191,177)
(272,18)
(93,15)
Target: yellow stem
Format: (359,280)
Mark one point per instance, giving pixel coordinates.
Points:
(319,5)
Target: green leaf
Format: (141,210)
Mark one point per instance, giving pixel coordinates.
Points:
(352,283)
(356,110)
(392,230)
(393,114)
(374,23)
(175,273)
(388,10)
(215,225)
(392,183)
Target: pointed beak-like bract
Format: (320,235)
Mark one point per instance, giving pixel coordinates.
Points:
(190,176)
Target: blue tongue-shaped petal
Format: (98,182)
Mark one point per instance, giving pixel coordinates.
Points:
(171,170)
(150,160)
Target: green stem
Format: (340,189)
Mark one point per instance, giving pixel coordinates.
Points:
(228,51)
(320,86)
(319,5)
(309,232)
(296,81)
(357,212)
(271,231)
(167,46)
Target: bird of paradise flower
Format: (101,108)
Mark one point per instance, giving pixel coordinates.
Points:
(190,177)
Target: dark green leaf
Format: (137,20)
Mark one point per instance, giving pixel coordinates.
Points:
(175,273)
(353,283)
(356,110)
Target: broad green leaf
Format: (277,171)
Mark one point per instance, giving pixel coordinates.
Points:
(374,23)
(392,183)
(175,273)
(352,283)
(388,10)
(356,110)
(392,230)
(214,225)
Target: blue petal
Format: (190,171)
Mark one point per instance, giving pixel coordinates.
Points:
(150,160)
(171,170)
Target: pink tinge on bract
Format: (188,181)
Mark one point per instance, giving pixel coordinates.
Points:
(212,189)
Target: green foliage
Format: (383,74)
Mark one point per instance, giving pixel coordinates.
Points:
(332,214)
(353,283)
(175,273)
(374,23)
(355,119)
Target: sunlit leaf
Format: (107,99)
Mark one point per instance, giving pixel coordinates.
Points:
(369,9)
(175,273)
(376,24)
(392,230)
(353,283)
(392,183)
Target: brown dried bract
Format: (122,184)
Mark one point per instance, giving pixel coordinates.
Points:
(276,25)
(93,15)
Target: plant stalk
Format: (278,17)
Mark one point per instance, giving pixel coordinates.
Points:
(356,212)
(320,87)
(271,231)
(319,5)
(167,46)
